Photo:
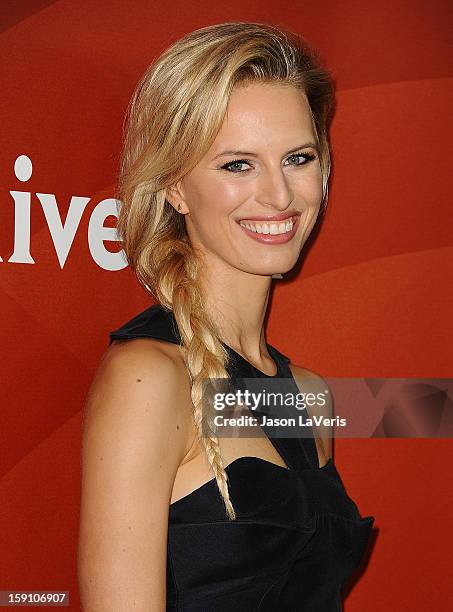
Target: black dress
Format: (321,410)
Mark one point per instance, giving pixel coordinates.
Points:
(297,536)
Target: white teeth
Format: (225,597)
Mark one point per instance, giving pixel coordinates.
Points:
(269,228)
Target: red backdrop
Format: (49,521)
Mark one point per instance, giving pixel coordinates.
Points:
(372,298)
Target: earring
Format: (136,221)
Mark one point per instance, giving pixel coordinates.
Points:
(278,275)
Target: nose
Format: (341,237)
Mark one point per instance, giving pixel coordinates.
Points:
(273,189)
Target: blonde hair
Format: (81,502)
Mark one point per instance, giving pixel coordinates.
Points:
(174,115)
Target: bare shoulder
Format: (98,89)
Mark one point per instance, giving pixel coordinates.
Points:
(141,384)
(319,404)
(135,434)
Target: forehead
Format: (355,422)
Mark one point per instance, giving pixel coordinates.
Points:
(267,112)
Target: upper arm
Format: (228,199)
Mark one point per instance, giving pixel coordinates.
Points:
(134,437)
(319,404)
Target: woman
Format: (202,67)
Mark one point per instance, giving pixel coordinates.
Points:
(223,175)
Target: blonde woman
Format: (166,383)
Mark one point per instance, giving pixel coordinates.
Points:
(224,173)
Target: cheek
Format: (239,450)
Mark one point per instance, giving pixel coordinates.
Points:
(215,200)
(231,191)
(309,188)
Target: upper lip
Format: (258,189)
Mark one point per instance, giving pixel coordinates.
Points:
(269,218)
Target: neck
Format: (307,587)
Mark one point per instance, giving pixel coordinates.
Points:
(237,303)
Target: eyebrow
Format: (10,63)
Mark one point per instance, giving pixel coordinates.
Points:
(236,152)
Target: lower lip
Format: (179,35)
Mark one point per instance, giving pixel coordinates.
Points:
(273,238)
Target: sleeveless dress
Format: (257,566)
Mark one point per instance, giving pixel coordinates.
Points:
(297,536)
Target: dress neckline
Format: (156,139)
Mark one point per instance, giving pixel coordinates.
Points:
(243,360)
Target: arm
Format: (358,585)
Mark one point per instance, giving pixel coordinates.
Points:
(135,435)
(309,382)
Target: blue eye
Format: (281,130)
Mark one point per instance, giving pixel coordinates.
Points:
(229,166)
(308,157)
(232,166)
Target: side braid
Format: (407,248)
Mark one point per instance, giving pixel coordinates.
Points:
(176,288)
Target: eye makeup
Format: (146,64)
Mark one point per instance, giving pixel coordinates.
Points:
(308,158)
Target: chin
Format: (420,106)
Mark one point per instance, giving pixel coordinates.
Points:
(270,271)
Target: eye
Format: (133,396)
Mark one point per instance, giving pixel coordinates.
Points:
(232,166)
(308,157)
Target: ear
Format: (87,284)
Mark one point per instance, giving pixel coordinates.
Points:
(175,196)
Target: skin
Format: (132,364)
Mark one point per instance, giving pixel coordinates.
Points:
(139,444)
(272,181)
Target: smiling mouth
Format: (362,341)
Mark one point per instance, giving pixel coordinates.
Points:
(272,228)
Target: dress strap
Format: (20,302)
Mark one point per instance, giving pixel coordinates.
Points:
(307,444)
(282,361)
(154,322)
